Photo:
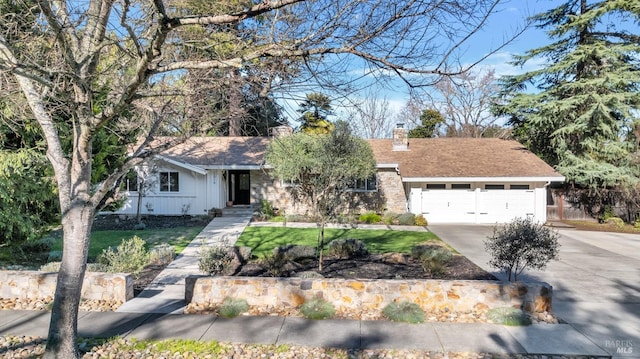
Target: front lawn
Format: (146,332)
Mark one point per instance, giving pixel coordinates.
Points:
(178,237)
(262,240)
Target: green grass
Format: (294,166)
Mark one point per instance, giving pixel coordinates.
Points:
(263,240)
(178,237)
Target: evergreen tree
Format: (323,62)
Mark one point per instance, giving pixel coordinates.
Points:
(315,109)
(430,121)
(578,111)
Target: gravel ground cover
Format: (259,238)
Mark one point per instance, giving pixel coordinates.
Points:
(33,347)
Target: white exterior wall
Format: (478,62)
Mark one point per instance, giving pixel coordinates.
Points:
(216,189)
(193,195)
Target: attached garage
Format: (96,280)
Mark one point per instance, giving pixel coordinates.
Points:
(480,204)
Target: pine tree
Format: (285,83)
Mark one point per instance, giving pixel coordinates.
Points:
(315,109)
(579,110)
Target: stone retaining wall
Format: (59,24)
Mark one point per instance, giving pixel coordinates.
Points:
(37,285)
(431,295)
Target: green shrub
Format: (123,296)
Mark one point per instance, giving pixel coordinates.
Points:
(421,221)
(508,316)
(161,254)
(55,267)
(616,221)
(274,263)
(348,248)
(54,256)
(215,260)
(231,308)
(317,308)
(293,252)
(404,311)
(370,217)
(131,256)
(390,218)
(608,213)
(636,224)
(418,250)
(266,209)
(434,260)
(519,244)
(407,219)
(50,267)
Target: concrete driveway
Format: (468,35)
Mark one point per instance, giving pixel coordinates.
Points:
(596,281)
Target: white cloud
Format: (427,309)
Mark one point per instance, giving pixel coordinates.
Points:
(500,62)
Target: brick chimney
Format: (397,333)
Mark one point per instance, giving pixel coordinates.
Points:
(400,138)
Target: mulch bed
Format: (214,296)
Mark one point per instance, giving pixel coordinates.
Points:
(123,222)
(373,266)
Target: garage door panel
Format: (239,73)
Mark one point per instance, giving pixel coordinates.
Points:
(449,206)
(500,206)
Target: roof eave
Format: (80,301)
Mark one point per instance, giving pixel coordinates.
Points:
(233,167)
(486,179)
(184,165)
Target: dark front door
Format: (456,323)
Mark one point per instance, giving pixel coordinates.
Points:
(239,187)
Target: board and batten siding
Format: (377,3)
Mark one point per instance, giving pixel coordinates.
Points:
(192,198)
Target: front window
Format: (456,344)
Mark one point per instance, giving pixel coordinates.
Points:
(436,186)
(365,185)
(169,182)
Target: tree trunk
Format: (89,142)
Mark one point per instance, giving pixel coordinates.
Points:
(63,328)
(77,211)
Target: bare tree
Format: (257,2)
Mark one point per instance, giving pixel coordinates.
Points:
(465,101)
(371,117)
(86,66)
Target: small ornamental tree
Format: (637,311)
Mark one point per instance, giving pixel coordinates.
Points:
(520,244)
(322,167)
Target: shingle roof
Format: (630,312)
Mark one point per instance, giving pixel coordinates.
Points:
(426,157)
(220,151)
(463,157)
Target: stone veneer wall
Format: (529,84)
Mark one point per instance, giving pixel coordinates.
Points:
(38,285)
(390,196)
(431,295)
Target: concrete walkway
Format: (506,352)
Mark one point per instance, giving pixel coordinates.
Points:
(560,339)
(166,293)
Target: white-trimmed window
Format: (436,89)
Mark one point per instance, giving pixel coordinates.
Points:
(130,182)
(367,185)
(436,186)
(519,186)
(461,186)
(169,181)
(493,186)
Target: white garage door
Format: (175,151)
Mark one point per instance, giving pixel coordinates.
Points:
(468,206)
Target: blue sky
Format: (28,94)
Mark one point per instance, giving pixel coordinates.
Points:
(511,16)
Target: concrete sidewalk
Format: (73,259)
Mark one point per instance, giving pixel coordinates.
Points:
(545,339)
(166,293)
